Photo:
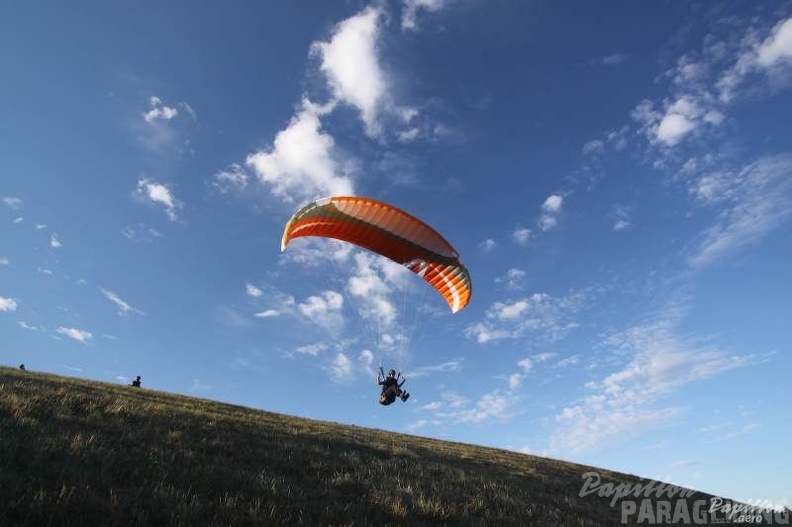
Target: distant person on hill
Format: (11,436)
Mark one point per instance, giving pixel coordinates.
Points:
(391,387)
(22,367)
(136,382)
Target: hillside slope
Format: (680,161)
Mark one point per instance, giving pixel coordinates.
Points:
(78,452)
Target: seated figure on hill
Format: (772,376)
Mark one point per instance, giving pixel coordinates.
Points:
(136,382)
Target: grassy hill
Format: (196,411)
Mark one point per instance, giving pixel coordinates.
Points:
(78,452)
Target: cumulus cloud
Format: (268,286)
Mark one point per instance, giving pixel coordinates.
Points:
(303,163)
(7,304)
(158,193)
(324,310)
(341,367)
(551,208)
(159,111)
(521,235)
(253,291)
(54,241)
(76,334)
(350,62)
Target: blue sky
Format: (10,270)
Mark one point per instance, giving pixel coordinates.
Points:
(617,177)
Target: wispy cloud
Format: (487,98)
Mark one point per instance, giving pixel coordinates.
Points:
(13,202)
(613,59)
(494,406)
(412,8)
(123,307)
(548,318)
(141,233)
(158,193)
(233,178)
(754,201)
(55,242)
(659,363)
(76,334)
(513,279)
(451,366)
(4,261)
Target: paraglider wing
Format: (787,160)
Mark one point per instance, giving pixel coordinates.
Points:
(390,232)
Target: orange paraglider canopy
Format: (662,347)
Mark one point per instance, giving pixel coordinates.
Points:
(389,232)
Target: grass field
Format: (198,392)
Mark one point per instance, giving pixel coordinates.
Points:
(78,452)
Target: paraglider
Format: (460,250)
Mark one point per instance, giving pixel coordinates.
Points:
(389,232)
(394,234)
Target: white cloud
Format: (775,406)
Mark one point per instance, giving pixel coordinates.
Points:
(268,313)
(366,357)
(4,261)
(497,405)
(76,334)
(614,59)
(159,111)
(622,218)
(526,365)
(123,307)
(302,164)
(253,291)
(545,317)
(777,46)
(673,127)
(141,233)
(19,220)
(350,62)
(551,208)
(627,401)
(312,349)
(452,366)
(54,241)
(235,178)
(412,7)
(158,193)
(324,309)
(595,146)
(7,304)
(341,368)
(521,235)
(757,199)
(513,278)
(488,245)
(13,202)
